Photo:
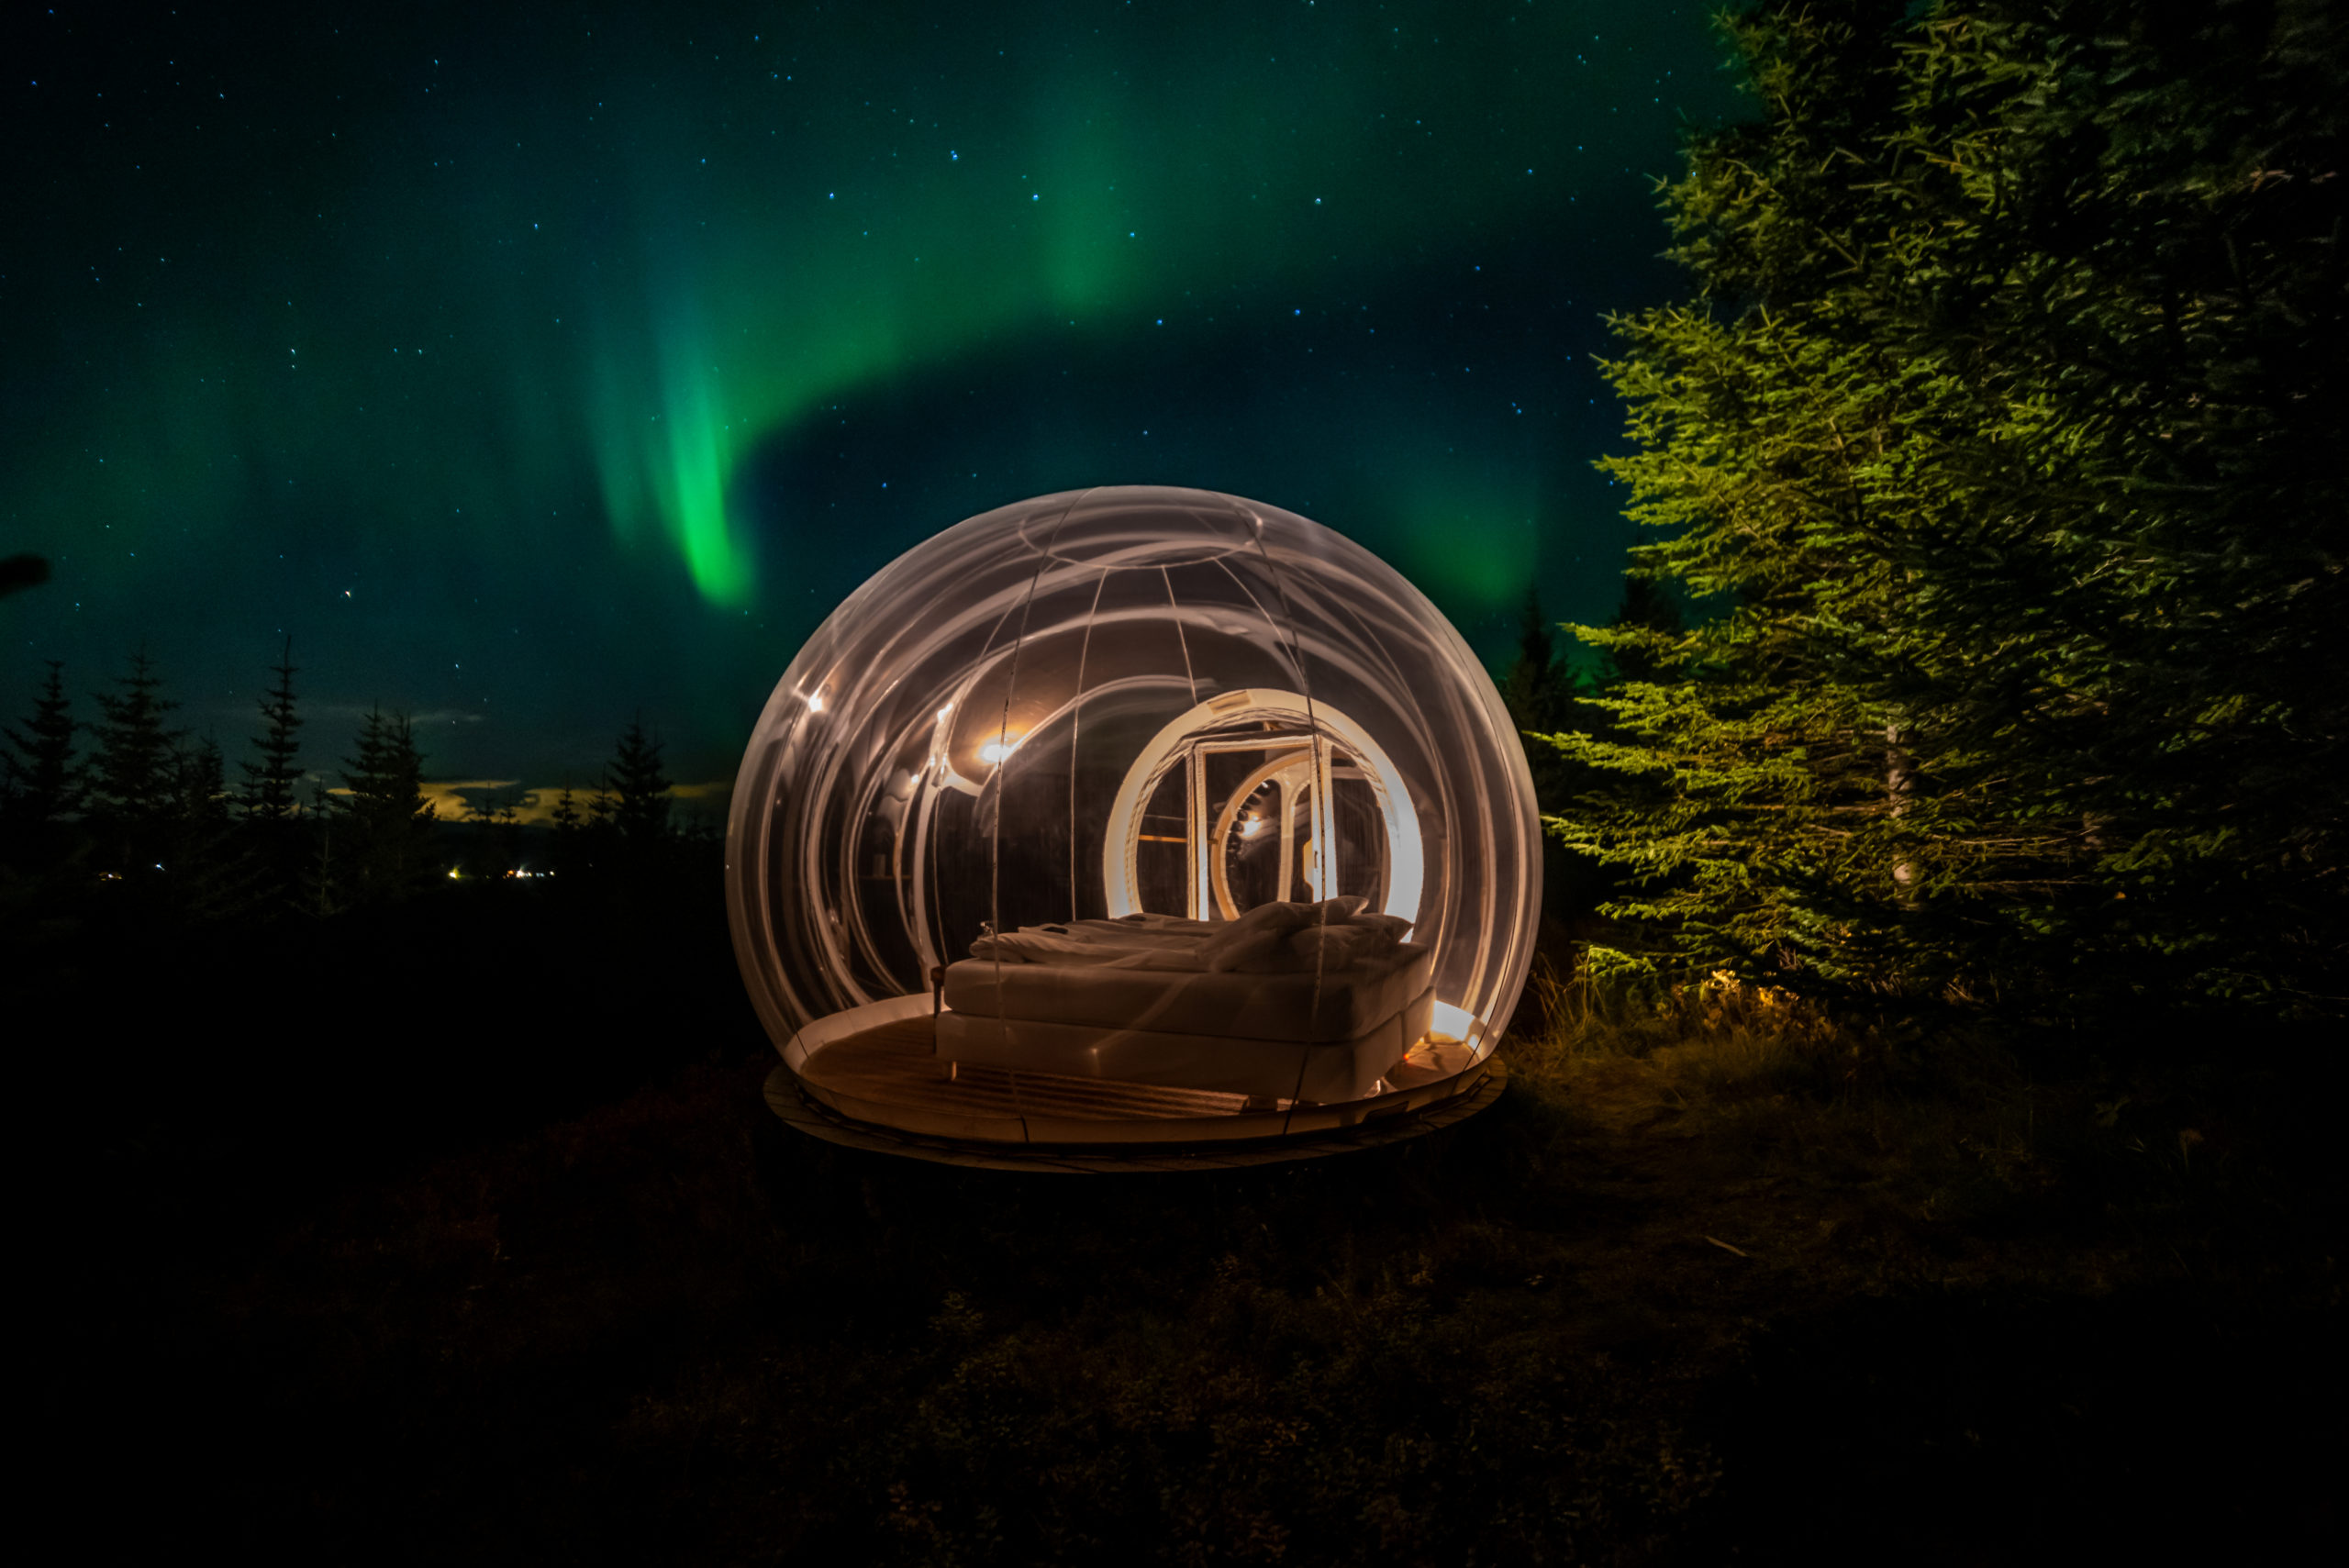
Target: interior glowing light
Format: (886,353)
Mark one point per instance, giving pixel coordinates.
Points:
(996,751)
(1405,864)
(815,701)
(1253,826)
(452,874)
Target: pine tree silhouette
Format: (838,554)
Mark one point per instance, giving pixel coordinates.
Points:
(270,784)
(639,790)
(492,838)
(132,783)
(387,820)
(271,799)
(199,785)
(1537,688)
(44,787)
(506,831)
(321,891)
(130,773)
(210,878)
(566,849)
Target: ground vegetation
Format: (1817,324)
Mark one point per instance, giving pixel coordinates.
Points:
(1720,1276)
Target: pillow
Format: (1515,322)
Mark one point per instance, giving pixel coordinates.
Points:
(1328,947)
(1253,935)
(1274,916)
(1259,952)
(1249,936)
(1335,911)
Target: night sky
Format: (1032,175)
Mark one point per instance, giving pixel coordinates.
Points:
(536,371)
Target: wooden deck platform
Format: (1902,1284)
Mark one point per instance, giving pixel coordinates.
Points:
(886,1078)
(896,1064)
(788,1097)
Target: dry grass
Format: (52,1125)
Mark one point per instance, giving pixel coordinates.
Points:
(1945,1137)
(1719,1037)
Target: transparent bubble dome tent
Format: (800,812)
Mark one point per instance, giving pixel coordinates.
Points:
(1134,815)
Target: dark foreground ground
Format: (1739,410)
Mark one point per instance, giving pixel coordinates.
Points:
(488,1249)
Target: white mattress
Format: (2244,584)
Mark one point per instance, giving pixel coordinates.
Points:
(1323,1071)
(1337,1006)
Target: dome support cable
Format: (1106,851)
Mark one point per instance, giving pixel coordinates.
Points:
(1323,860)
(1076,720)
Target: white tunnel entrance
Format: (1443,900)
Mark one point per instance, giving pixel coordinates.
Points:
(1259,796)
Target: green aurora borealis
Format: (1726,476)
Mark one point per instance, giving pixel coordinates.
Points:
(535,371)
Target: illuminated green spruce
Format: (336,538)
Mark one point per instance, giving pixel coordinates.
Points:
(1999,455)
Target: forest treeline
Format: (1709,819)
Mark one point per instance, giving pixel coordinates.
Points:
(1997,462)
(127,807)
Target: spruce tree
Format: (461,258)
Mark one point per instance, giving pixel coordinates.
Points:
(1536,688)
(44,787)
(132,777)
(505,832)
(321,895)
(494,835)
(199,785)
(567,843)
(1998,452)
(272,782)
(130,773)
(1644,608)
(639,791)
(386,842)
(271,799)
(597,848)
(209,878)
(1541,694)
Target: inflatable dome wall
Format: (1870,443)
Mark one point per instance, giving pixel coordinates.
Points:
(1113,711)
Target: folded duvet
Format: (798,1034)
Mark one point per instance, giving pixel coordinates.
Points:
(1271,938)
